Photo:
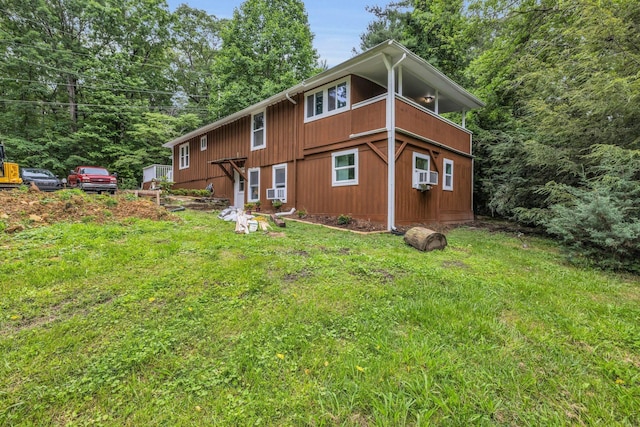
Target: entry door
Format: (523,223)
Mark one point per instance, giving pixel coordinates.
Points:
(238,190)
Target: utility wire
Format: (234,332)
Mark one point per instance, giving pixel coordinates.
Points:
(66,104)
(73,72)
(48,48)
(84,86)
(18,17)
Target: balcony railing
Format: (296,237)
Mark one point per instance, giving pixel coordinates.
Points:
(157,172)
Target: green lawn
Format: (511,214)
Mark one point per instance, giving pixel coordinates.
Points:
(157,323)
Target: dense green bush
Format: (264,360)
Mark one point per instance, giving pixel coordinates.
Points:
(599,223)
(165,184)
(128,184)
(344,219)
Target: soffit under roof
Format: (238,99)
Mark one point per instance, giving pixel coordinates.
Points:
(419,78)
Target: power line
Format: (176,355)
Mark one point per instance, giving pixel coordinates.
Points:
(73,72)
(17,16)
(84,86)
(48,48)
(67,104)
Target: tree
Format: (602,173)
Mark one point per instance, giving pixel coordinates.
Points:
(558,79)
(439,31)
(391,23)
(76,77)
(266,48)
(599,222)
(145,134)
(557,142)
(196,38)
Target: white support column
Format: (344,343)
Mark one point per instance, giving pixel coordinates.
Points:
(400,81)
(464,119)
(436,108)
(391,139)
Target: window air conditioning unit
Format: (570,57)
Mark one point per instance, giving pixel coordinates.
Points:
(276,193)
(425,178)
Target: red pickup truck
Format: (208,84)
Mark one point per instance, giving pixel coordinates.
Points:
(93,178)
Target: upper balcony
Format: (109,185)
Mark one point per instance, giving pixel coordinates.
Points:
(422,95)
(416,120)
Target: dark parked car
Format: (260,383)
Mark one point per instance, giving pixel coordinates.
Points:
(43,178)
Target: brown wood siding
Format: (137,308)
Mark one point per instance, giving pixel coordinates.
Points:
(369,117)
(280,143)
(234,140)
(412,119)
(435,205)
(338,128)
(363,89)
(367,200)
(328,130)
(230,140)
(458,200)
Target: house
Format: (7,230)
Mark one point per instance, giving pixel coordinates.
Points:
(365,138)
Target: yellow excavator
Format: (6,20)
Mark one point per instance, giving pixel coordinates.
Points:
(9,172)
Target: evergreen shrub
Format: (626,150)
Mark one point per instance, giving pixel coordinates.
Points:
(599,223)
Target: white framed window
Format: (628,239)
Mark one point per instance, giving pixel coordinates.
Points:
(254,185)
(447,180)
(327,100)
(240,184)
(183,151)
(279,180)
(345,167)
(203,142)
(258,131)
(422,174)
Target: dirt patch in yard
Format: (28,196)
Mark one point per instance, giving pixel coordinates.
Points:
(352,224)
(364,226)
(20,209)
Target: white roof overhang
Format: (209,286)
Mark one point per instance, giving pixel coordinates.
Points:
(419,79)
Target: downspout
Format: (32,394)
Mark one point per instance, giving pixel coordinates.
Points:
(173,156)
(295,152)
(391,140)
(473,172)
(289,98)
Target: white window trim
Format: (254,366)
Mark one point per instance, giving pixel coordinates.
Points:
(416,156)
(354,181)
(247,185)
(325,95)
(183,158)
(203,142)
(446,187)
(273,177)
(264,131)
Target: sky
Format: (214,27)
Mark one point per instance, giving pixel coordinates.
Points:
(336,24)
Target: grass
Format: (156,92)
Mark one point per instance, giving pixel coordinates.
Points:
(157,323)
